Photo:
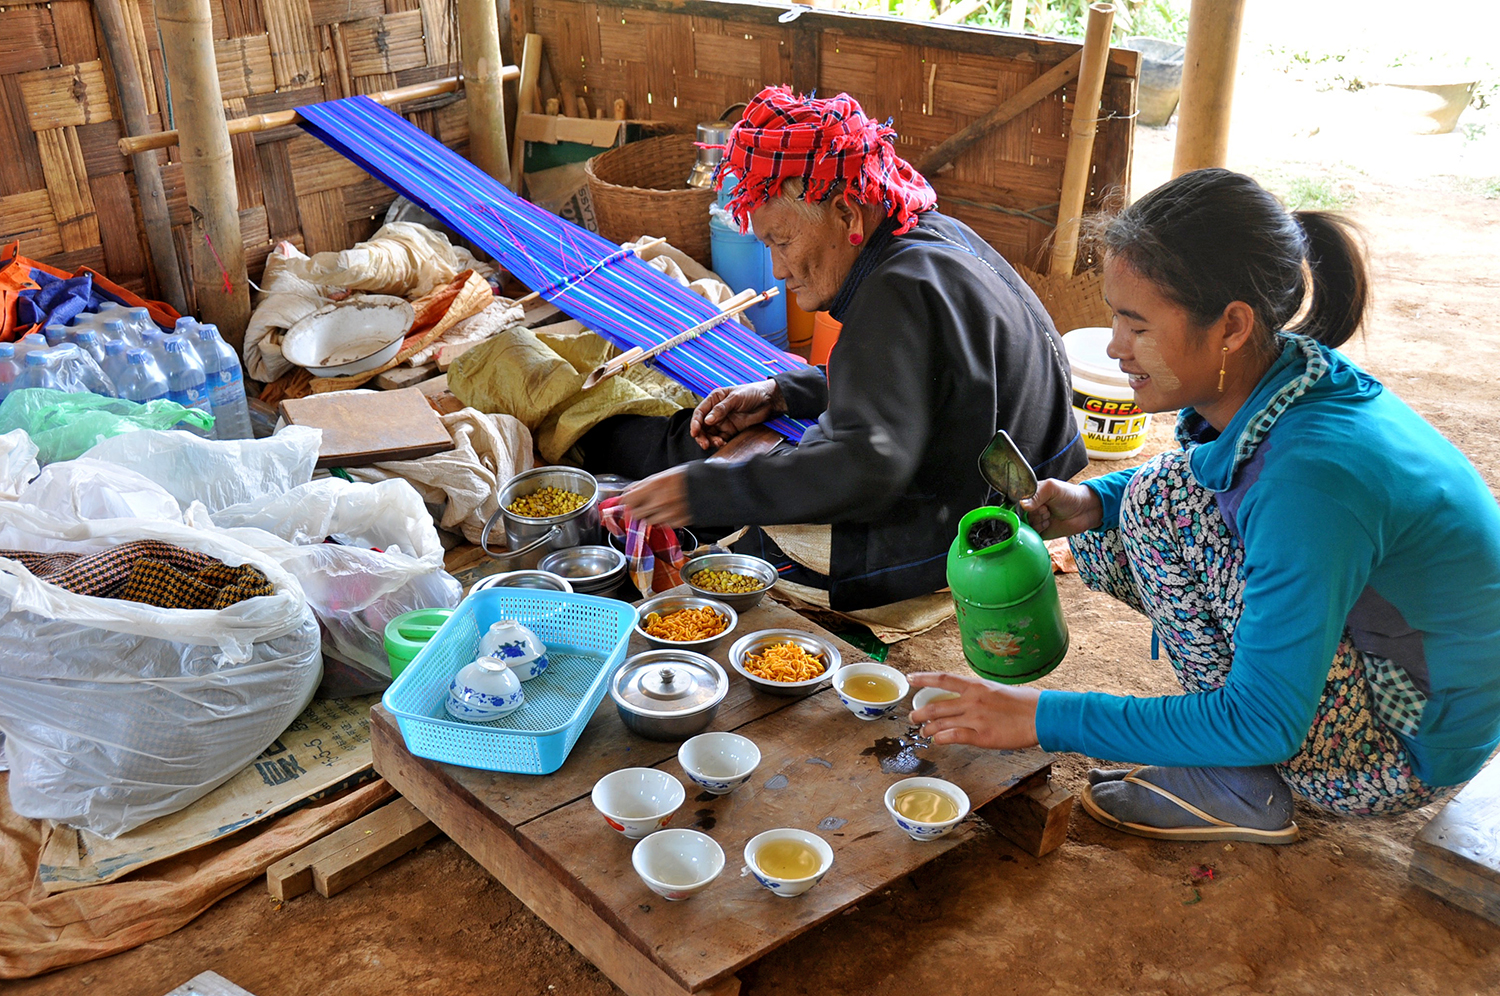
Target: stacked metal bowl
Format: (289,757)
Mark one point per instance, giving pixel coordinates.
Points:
(591,570)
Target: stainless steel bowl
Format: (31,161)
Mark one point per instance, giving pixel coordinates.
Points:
(592,570)
(541,580)
(668,694)
(738,563)
(665,604)
(529,539)
(754,643)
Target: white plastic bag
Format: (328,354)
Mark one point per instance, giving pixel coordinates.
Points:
(116,712)
(385,558)
(18,462)
(93,489)
(218,473)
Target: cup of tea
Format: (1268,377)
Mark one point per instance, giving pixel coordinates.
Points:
(788,861)
(870,691)
(926,808)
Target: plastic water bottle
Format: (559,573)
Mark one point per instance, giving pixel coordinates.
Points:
(153,341)
(111,329)
(138,320)
(56,335)
(88,341)
(77,370)
(114,361)
(141,380)
(186,383)
(226,383)
(10,370)
(28,343)
(38,371)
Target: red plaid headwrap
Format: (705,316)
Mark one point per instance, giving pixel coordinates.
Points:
(825,142)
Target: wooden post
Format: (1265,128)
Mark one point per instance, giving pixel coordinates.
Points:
(1017,16)
(218,251)
(526,102)
(147,170)
(479,48)
(1085,123)
(1213,46)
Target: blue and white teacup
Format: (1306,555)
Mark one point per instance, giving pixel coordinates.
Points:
(719,762)
(917,829)
(517,646)
(861,708)
(782,886)
(484,690)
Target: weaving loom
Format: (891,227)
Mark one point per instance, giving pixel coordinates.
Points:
(587,277)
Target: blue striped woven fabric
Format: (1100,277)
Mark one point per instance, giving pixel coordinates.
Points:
(587,277)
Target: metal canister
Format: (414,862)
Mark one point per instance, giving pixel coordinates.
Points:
(709,133)
(529,539)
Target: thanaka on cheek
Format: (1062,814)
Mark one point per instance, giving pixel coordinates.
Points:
(1149,356)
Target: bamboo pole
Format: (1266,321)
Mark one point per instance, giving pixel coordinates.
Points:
(479,46)
(1085,123)
(1208,71)
(531,67)
(147,170)
(280,119)
(1017,16)
(220,283)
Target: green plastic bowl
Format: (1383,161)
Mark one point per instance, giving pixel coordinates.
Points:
(408,633)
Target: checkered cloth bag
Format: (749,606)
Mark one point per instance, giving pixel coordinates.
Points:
(827,143)
(644,545)
(148,571)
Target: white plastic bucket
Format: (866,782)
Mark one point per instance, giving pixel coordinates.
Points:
(1113,425)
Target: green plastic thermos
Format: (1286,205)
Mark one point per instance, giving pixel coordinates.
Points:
(1009,616)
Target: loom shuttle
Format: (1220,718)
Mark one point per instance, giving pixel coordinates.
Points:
(635,356)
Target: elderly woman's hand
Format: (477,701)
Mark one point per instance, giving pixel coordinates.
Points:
(728,411)
(660,500)
(985,714)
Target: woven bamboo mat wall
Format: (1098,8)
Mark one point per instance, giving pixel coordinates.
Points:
(684,61)
(69,195)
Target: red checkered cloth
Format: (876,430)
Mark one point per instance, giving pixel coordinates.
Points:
(826,143)
(643,545)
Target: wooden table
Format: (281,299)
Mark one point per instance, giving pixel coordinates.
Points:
(541,837)
(1457,855)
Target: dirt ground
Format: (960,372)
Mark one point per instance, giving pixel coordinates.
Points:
(1105,913)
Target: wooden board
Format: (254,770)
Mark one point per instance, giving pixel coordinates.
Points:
(209,984)
(1457,855)
(361,429)
(541,837)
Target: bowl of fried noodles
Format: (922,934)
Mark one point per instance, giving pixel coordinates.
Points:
(784,661)
(684,622)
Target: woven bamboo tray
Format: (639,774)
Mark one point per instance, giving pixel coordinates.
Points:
(640,190)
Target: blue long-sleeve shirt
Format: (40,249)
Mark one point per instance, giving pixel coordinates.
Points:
(1354,513)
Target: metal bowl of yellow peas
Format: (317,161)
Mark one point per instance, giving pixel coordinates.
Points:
(737,580)
(546,509)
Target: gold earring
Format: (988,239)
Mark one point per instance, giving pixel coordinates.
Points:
(1222,364)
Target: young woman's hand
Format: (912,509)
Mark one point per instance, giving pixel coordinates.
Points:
(985,714)
(1062,509)
(727,411)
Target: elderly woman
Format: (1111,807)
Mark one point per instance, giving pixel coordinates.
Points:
(1322,568)
(942,344)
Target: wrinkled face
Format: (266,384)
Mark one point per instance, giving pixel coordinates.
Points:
(812,255)
(1171,362)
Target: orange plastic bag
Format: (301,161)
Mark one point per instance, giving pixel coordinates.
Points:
(15,276)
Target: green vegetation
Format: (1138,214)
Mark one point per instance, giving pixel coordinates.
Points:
(1166,19)
(1303,192)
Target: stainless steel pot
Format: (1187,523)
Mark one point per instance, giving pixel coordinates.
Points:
(529,539)
(668,694)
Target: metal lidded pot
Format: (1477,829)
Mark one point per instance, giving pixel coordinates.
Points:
(528,539)
(668,694)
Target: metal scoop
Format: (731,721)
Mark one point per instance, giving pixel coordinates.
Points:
(1006,470)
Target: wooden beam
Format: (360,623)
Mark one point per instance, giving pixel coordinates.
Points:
(1082,128)
(209,984)
(1457,854)
(479,47)
(1208,71)
(131,88)
(374,842)
(1017,103)
(1034,819)
(220,284)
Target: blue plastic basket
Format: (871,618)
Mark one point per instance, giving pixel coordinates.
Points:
(585,638)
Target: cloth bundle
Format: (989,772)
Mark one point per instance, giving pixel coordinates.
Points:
(645,546)
(148,571)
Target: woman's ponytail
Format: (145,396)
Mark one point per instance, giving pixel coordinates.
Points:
(1340,278)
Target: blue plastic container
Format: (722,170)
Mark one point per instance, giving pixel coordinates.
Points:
(585,636)
(743,261)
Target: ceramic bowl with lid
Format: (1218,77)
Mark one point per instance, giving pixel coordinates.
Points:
(517,646)
(668,694)
(591,570)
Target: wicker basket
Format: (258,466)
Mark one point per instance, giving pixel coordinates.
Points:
(640,190)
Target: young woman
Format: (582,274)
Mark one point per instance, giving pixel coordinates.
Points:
(1321,567)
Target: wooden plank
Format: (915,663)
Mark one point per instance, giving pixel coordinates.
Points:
(386,44)
(361,429)
(1457,854)
(119,231)
(1034,819)
(432,388)
(243,18)
(209,984)
(727,55)
(367,199)
(439,31)
(90,256)
(316,167)
(282,218)
(29,217)
(395,380)
(67,183)
(256,235)
(73,22)
(68,95)
(28,42)
(244,66)
(246,171)
(141,46)
(373,841)
(294,51)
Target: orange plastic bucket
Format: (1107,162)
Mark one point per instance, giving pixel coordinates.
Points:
(825,334)
(799,328)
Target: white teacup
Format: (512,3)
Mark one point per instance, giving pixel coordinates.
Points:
(861,708)
(677,863)
(517,646)
(720,762)
(918,829)
(785,886)
(927,696)
(636,801)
